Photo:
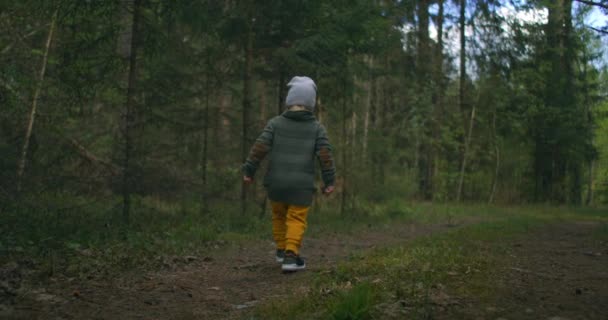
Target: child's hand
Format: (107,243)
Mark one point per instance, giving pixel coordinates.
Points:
(247,180)
(329,190)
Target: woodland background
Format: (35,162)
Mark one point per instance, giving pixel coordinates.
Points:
(133,117)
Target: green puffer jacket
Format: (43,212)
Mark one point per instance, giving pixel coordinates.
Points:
(293,140)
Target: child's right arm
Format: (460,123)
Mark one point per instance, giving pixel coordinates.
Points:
(258,151)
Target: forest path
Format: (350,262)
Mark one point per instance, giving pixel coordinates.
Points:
(559,271)
(223,285)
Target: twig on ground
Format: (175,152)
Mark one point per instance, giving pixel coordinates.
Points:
(542,275)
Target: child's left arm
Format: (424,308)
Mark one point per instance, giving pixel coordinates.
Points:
(323,150)
(258,152)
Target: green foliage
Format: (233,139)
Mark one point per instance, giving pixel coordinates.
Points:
(601,142)
(389,102)
(400,116)
(74,229)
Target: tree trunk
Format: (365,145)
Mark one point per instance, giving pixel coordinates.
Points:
(562,181)
(463,71)
(591,183)
(438,114)
(353,137)
(353,149)
(588,123)
(497,158)
(344,151)
(569,58)
(259,187)
(130,112)
(262,103)
(461,93)
(439,53)
(223,132)
(281,92)
(424,73)
(205,153)
(467,143)
(382,111)
(496,172)
(422,61)
(32,117)
(368,103)
(246,106)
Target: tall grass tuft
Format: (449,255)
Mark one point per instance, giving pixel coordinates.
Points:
(355,304)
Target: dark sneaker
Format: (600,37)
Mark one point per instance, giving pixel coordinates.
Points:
(280,255)
(292,262)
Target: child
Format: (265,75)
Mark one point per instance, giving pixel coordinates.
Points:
(293,140)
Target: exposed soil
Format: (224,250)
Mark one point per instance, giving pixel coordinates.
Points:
(558,273)
(223,285)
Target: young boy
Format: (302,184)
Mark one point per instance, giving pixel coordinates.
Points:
(293,140)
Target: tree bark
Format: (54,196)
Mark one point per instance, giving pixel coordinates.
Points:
(32,116)
(368,103)
(497,158)
(461,94)
(246,105)
(467,143)
(463,71)
(344,151)
(496,172)
(424,73)
(439,93)
(591,183)
(259,188)
(439,53)
(423,62)
(588,123)
(281,92)
(222,134)
(569,58)
(205,153)
(130,113)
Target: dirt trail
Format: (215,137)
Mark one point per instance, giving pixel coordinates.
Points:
(222,285)
(559,272)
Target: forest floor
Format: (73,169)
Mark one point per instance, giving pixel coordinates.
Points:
(557,270)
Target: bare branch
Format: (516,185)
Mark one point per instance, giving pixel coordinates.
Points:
(32,117)
(601,4)
(20,39)
(602,31)
(114,169)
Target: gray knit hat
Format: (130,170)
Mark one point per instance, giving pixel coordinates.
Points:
(302,92)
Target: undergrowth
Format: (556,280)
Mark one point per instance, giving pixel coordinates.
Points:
(77,236)
(412,280)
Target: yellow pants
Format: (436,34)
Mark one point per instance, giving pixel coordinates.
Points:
(288,225)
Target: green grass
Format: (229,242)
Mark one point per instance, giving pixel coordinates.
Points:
(76,235)
(354,304)
(416,276)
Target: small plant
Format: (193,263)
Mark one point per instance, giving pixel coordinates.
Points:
(354,304)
